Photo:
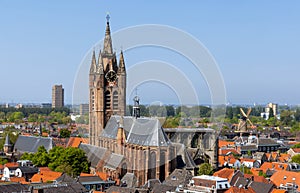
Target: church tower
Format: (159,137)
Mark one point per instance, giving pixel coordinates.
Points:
(107,87)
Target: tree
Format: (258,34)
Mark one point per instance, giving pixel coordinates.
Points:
(297,115)
(13,136)
(261,173)
(41,157)
(33,117)
(171,122)
(15,116)
(3,161)
(296,145)
(27,156)
(245,169)
(286,117)
(229,112)
(77,160)
(69,160)
(64,133)
(272,121)
(2,117)
(296,159)
(205,169)
(170,111)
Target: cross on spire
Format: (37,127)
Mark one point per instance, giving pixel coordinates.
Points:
(107,17)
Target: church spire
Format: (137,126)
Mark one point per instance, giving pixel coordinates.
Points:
(93,67)
(107,49)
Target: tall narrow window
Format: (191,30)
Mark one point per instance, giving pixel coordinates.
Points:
(115,100)
(107,100)
(93,101)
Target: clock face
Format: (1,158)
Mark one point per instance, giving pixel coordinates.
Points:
(111,76)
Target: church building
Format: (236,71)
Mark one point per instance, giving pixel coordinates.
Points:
(121,144)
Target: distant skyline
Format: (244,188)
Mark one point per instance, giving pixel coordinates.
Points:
(256,45)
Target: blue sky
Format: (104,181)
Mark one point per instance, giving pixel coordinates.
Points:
(255,43)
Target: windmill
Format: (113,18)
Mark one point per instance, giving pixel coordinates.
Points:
(242,127)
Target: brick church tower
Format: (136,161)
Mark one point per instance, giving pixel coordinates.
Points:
(107,87)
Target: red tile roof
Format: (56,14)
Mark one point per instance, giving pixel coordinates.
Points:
(102,175)
(45,175)
(21,180)
(296,150)
(86,174)
(284,157)
(255,171)
(279,191)
(225,173)
(228,151)
(234,189)
(247,160)
(75,141)
(11,164)
(223,143)
(256,178)
(284,177)
(273,166)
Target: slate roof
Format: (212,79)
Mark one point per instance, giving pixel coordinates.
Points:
(258,187)
(130,179)
(150,184)
(65,178)
(94,154)
(90,179)
(178,177)
(73,188)
(13,187)
(143,131)
(162,188)
(30,144)
(267,142)
(117,189)
(248,147)
(114,161)
(29,170)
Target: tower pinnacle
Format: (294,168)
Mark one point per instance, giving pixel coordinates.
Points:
(121,63)
(93,65)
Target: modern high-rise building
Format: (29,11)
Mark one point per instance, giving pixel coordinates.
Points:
(57,96)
